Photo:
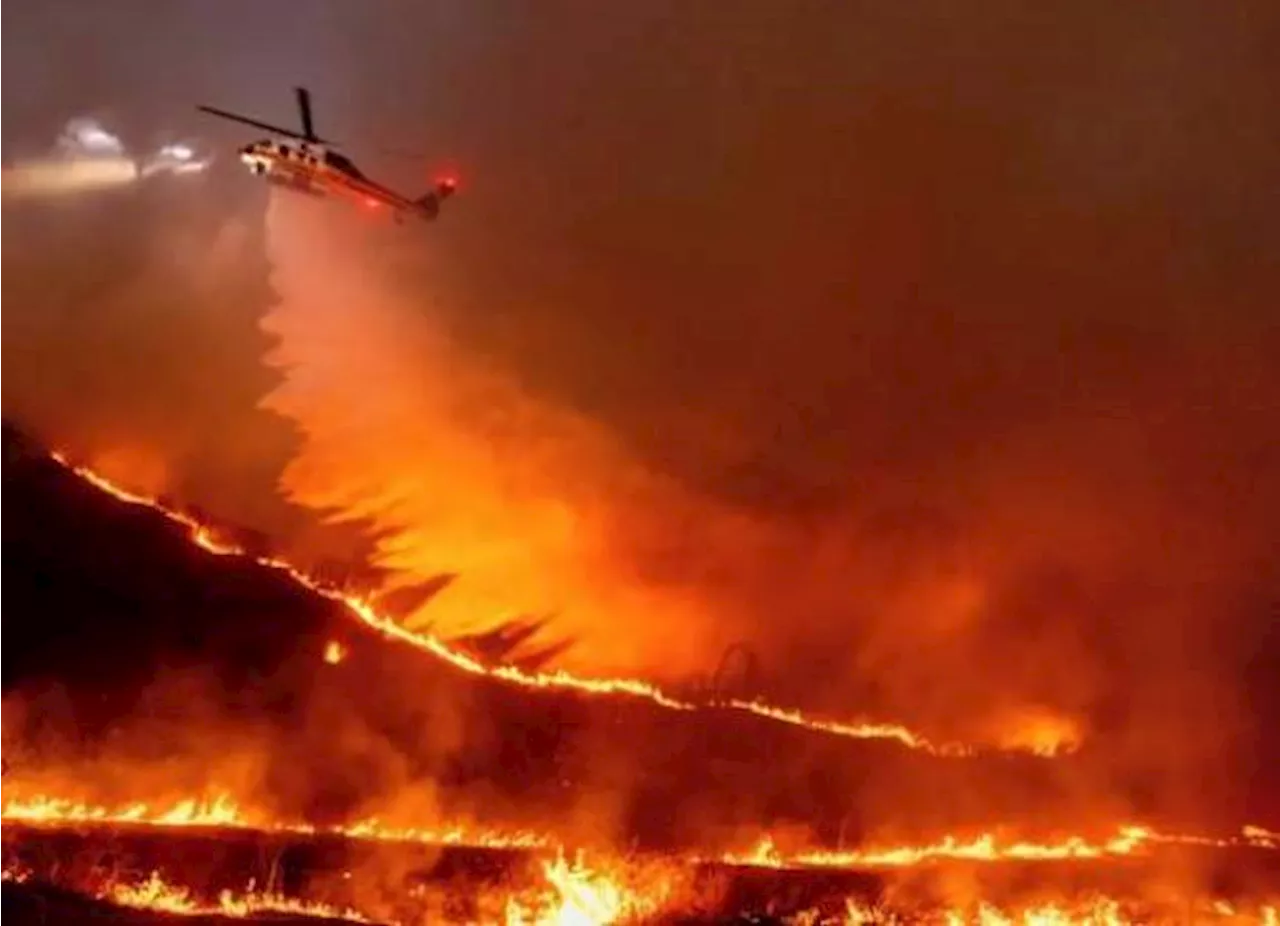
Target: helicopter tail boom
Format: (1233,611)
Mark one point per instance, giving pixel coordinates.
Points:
(430,202)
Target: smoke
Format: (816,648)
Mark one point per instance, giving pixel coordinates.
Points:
(957,412)
(130,337)
(458,470)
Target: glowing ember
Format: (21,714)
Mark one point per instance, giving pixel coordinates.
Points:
(362,609)
(334,652)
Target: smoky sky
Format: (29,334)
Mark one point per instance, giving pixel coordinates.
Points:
(968,311)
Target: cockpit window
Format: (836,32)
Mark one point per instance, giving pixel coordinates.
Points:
(338,162)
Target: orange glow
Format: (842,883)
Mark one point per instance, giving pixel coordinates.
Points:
(1037,730)
(1094,911)
(581,895)
(222,811)
(573,893)
(45,810)
(334,652)
(987,847)
(557,679)
(156,894)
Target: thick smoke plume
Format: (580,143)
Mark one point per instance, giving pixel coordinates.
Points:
(964,419)
(457,468)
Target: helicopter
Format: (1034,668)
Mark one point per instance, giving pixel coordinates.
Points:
(306,163)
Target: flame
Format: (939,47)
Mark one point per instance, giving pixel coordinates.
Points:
(221,811)
(574,893)
(1095,911)
(334,652)
(362,609)
(581,895)
(1257,836)
(45,810)
(157,894)
(987,847)
(1037,730)
(984,848)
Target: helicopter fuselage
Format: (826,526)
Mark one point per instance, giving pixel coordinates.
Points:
(299,166)
(304,162)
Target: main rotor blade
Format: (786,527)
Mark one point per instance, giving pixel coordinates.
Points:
(278,130)
(304,107)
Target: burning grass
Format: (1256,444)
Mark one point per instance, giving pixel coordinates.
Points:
(295,701)
(394,867)
(190,855)
(364,610)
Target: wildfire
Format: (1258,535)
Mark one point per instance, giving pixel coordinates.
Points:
(219,811)
(890,731)
(1036,730)
(579,895)
(157,894)
(571,892)
(1257,836)
(222,811)
(1101,911)
(1095,911)
(575,894)
(987,847)
(206,538)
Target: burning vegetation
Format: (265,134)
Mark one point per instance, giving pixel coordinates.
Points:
(827,473)
(196,794)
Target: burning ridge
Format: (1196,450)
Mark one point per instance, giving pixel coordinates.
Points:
(46,817)
(207,538)
(143,666)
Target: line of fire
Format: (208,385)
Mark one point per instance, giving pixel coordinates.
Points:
(169,803)
(753,463)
